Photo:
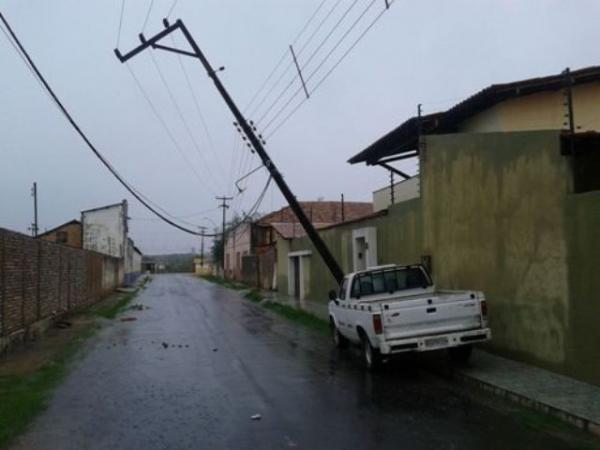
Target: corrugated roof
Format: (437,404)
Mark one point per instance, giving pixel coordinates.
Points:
(404,138)
(293,230)
(70,222)
(320,212)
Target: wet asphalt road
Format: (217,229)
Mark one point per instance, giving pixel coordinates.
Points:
(227,359)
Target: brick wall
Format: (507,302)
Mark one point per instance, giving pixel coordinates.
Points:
(40,278)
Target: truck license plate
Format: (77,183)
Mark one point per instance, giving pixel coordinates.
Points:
(436,342)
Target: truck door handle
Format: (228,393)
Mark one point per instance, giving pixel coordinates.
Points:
(431,310)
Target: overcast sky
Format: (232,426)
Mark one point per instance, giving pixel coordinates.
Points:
(434,52)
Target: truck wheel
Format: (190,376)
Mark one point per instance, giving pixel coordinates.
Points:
(371,356)
(338,340)
(461,354)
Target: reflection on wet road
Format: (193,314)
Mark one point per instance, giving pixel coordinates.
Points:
(199,362)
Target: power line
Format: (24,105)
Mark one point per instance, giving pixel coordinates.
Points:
(87,141)
(310,58)
(147,15)
(310,19)
(256,94)
(197,213)
(324,60)
(172,8)
(181,116)
(365,31)
(120,23)
(335,65)
(24,59)
(316,30)
(165,127)
(291,63)
(198,110)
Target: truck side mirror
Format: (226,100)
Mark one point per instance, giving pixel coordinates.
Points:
(332,295)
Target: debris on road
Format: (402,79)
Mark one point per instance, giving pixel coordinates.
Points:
(165,345)
(138,307)
(215,349)
(128,319)
(256,417)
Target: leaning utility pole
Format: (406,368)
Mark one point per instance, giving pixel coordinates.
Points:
(256,143)
(34,225)
(225,206)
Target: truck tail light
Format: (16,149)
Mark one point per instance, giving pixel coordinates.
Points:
(377,324)
(483,308)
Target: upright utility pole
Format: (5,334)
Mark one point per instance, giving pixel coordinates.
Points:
(202,231)
(224,206)
(256,143)
(34,225)
(570,123)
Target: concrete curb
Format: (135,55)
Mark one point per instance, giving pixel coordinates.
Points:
(563,415)
(571,417)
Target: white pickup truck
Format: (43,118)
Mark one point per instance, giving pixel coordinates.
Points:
(395,309)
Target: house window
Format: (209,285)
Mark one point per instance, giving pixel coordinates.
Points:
(62,237)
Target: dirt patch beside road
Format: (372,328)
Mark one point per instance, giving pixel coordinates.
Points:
(29,374)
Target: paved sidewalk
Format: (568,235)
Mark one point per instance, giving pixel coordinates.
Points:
(568,399)
(565,398)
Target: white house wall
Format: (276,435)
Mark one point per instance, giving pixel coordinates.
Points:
(104,231)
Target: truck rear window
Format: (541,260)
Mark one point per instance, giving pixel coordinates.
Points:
(373,283)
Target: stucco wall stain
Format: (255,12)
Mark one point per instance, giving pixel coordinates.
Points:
(494,221)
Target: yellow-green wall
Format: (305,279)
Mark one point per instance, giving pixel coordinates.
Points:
(493,208)
(399,240)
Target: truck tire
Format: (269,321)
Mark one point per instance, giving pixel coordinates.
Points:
(338,339)
(371,356)
(461,354)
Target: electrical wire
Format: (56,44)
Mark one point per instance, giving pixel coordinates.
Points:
(165,127)
(182,117)
(286,53)
(172,8)
(324,60)
(16,48)
(198,109)
(197,213)
(120,23)
(84,137)
(147,15)
(310,58)
(291,63)
(318,28)
(330,71)
(335,47)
